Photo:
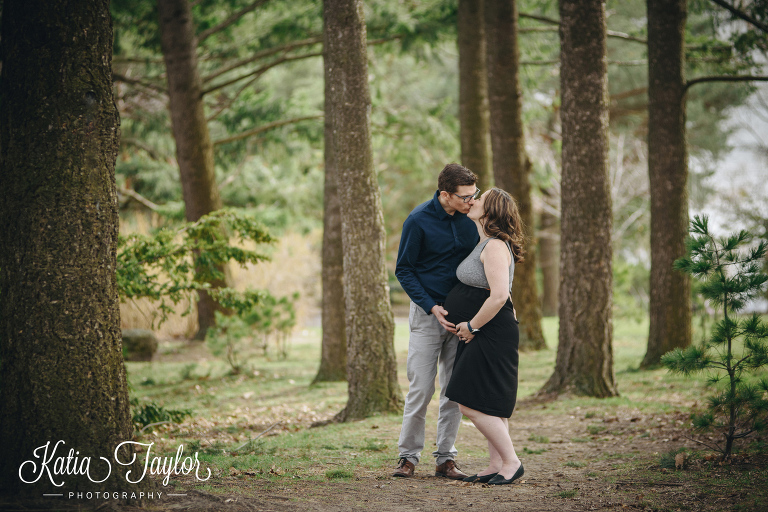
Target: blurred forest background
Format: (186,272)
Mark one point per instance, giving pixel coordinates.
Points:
(236,125)
(262,77)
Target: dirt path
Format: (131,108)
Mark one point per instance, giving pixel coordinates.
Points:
(573,463)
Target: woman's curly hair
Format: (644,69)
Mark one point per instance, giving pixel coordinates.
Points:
(501,219)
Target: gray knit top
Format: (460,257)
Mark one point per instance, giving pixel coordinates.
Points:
(471,271)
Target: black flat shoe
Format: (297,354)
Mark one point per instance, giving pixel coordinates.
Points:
(482,479)
(499,478)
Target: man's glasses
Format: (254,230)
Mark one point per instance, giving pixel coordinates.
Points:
(467,199)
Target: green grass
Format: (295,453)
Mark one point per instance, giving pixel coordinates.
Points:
(339,474)
(231,409)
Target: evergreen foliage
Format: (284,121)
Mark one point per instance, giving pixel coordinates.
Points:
(173,264)
(730,273)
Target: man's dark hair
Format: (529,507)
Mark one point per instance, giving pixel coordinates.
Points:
(454,176)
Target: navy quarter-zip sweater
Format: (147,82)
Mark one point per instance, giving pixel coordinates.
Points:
(432,245)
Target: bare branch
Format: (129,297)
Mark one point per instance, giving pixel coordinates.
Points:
(715,448)
(153,154)
(622,35)
(524,30)
(628,94)
(543,19)
(140,198)
(628,222)
(540,62)
(741,14)
(116,77)
(136,60)
(725,78)
(557,62)
(260,71)
(382,40)
(231,100)
(261,129)
(202,36)
(263,69)
(155,424)
(258,436)
(552,21)
(744,434)
(262,54)
(639,62)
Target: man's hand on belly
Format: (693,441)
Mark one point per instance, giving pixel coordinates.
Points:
(440,312)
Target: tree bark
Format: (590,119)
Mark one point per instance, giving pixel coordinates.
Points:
(333,360)
(548,261)
(670,291)
(511,167)
(584,356)
(62,372)
(371,368)
(474,123)
(194,151)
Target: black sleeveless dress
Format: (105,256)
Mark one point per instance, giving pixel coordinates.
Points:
(485,371)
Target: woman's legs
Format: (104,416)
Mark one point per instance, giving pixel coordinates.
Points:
(495,458)
(503,458)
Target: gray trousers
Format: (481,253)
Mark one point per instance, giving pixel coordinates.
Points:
(429,346)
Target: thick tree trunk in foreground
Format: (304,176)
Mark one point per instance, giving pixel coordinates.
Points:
(371,369)
(511,167)
(584,355)
(194,151)
(474,121)
(333,360)
(670,308)
(62,369)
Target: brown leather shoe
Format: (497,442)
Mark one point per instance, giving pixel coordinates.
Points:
(448,469)
(404,468)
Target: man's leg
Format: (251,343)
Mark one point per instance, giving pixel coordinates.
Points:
(450,416)
(424,348)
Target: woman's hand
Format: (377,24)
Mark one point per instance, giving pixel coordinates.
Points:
(463,331)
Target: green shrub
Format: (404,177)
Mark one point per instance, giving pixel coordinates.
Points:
(174,264)
(149,413)
(268,322)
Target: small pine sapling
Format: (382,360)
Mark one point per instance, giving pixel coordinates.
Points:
(730,271)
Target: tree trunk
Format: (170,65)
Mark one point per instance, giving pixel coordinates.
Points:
(670,297)
(584,356)
(333,360)
(548,261)
(194,151)
(474,128)
(511,167)
(62,371)
(371,368)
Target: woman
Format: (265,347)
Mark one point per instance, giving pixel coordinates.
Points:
(484,380)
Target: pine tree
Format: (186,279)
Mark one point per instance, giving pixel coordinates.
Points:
(730,274)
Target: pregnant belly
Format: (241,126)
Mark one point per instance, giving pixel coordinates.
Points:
(463,302)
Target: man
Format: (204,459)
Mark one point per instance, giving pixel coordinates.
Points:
(437,236)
